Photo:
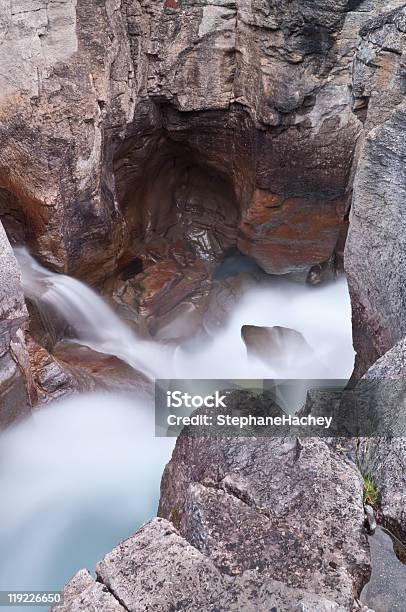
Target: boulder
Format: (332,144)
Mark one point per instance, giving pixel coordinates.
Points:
(84,593)
(276,345)
(282,509)
(157,569)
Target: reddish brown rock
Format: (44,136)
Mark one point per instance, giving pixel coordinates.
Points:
(285,234)
(274,345)
(168,299)
(119,122)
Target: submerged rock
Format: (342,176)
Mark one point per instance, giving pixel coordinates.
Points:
(275,346)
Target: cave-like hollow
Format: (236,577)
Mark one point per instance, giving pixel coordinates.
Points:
(174,203)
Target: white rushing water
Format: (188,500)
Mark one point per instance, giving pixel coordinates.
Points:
(322,316)
(80,475)
(75,478)
(94,322)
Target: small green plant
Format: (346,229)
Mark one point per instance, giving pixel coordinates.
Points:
(175,517)
(370,491)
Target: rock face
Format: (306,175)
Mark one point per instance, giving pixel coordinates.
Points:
(128,153)
(385,459)
(167,132)
(249,524)
(287,510)
(157,569)
(254,525)
(375,253)
(13,316)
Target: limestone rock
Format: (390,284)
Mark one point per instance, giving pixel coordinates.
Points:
(375,252)
(384,459)
(84,593)
(104,143)
(157,569)
(13,316)
(290,511)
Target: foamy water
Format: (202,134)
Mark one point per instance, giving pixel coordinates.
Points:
(75,479)
(322,315)
(82,474)
(94,322)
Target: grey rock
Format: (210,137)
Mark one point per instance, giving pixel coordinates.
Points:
(384,459)
(13,312)
(157,569)
(13,316)
(386,589)
(375,251)
(290,511)
(370,520)
(84,593)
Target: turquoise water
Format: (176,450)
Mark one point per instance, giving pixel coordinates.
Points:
(75,479)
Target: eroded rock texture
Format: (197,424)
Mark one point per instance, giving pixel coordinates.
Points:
(375,253)
(290,511)
(384,459)
(128,126)
(157,569)
(253,525)
(13,357)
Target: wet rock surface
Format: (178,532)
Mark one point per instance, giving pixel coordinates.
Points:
(386,590)
(14,398)
(384,459)
(275,345)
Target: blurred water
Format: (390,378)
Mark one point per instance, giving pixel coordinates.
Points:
(322,315)
(75,479)
(94,323)
(80,475)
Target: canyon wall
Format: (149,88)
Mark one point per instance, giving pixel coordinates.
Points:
(93,97)
(141,141)
(375,253)
(13,357)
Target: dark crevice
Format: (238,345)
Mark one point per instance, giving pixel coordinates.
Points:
(112,593)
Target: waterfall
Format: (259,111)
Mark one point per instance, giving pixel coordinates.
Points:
(321,315)
(80,474)
(94,322)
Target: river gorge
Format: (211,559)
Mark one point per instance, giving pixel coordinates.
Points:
(189,191)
